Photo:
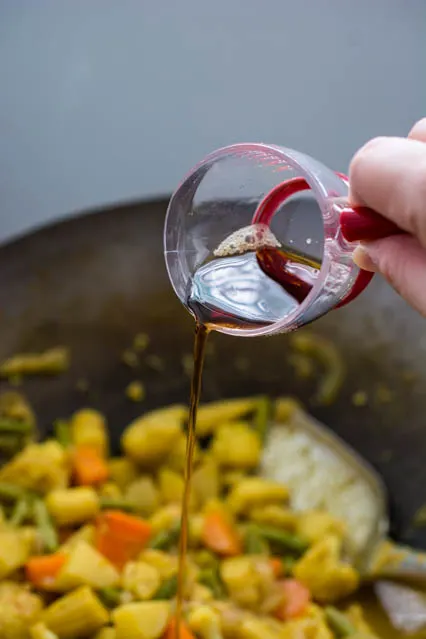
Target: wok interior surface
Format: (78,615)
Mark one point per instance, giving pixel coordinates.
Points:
(93,282)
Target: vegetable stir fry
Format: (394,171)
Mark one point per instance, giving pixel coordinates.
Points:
(89,542)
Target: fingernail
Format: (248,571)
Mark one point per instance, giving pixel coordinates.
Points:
(364,257)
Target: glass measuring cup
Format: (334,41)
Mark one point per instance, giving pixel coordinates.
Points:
(261,188)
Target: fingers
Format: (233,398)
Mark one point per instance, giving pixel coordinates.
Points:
(402,261)
(418,132)
(389,176)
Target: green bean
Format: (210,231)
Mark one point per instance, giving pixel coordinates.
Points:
(110,596)
(288,564)
(168,588)
(339,623)
(165,538)
(254,543)
(262,416)
(62,431)
(15,426)
(210,577)
(45,526)
(11,492)
(114,503)
(20,512)
(282,538)
(329,357)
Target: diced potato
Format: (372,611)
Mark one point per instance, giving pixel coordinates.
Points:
(77,614)
(171,486)
(88,428)
(122,471)
(248,579)
(165,564)
(85,533)
(314,525)
(150,438)
(205,622)
(19,609)
(143,494)
(73,505)
(165,518)
(356,616)
(231,477)
(195,529)
(201,594)
(141,579)
(176,459)
(211,415)
(311,628)
(141,620)
(39,467)
(41,631)
(205,482)
(237,445)
(106,633)
(260,628)
(277,516)
(256,491)
(110,490)
(14,551)
(86,567)
(322,571)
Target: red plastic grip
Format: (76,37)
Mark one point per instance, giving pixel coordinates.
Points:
(357,224)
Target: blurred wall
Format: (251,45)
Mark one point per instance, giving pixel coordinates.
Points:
(105,100)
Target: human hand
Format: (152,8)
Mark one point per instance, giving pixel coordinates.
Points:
(388,175)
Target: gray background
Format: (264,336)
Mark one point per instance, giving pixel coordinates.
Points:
(108,100)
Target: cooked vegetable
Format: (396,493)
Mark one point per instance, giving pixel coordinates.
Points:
(98,538)
(237,446)
(88,428)
(19,609)
(121,537)
(150,438)
(256,491)
(89,466)
(296,598)
(142,580)
(339,623)
(42,571)
(73,506)
(63,433)
(77,614)
(281,538)
(14,551)
(39,467)
(85,566)
(212,415)
(165,538)
(141,620)
(143,494)
(329,358)
(46,529)
(220,535)
(51,362)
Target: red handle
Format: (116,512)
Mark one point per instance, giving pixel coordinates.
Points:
(357,224)
(362,224)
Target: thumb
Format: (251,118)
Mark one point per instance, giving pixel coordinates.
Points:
(402,261)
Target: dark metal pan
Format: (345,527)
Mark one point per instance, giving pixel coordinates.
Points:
(94,281)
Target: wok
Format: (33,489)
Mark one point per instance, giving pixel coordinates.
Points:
(92,282)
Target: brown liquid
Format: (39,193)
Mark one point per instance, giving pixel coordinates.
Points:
(295,272)
(201,333)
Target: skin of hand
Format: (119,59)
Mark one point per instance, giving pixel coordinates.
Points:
(389,175)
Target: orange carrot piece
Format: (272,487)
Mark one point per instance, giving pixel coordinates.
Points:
(121,537)
(219,535)
(90,467)
(171,630)
(277,567)
(42,571)
(296,598)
